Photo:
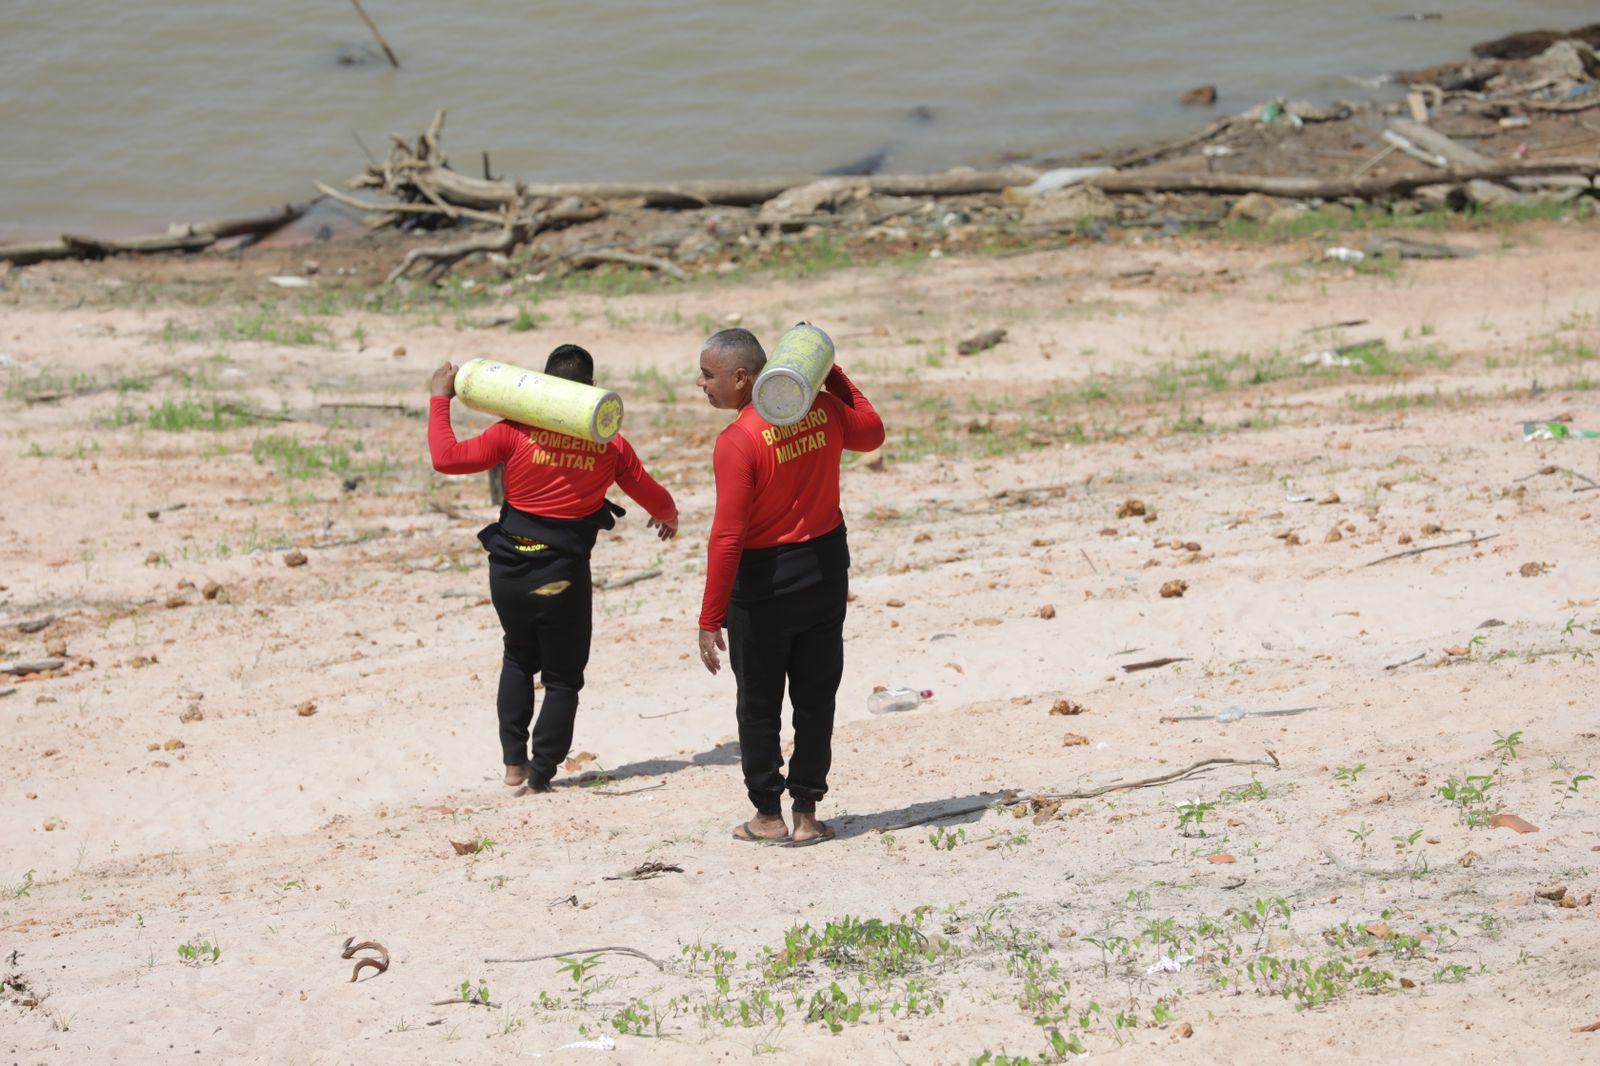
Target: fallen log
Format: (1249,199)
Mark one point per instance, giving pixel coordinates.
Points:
(1328,188)
(420,171)
(746,192)
(192,237)
(1430,139)
(650,262)
(19,667)
(100,247)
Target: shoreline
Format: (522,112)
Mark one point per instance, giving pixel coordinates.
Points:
(1140,469)
(321,218)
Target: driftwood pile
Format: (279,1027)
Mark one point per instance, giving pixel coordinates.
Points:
(1275,156)
(422,185)
(677,228)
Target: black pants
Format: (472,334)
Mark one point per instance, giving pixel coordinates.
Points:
(547,628)
(798,636)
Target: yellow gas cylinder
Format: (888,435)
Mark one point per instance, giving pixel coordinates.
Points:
(536,399)
(795,370)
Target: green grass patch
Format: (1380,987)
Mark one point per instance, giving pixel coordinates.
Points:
(1569,351)
(50,386)
(297,460)
(527,320)
(268,324)
(1321,220)
(174,333)
(179,416)
(1394,402)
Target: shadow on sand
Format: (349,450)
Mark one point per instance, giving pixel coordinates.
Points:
(960,810)
(722,755)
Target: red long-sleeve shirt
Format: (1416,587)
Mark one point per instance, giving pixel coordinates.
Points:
(548,474)
(780,484)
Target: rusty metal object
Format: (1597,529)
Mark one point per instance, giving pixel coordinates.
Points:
(350,949)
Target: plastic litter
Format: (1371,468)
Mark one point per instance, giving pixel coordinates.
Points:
(891,700)
(604,1043)
(1345,255)
(1234,713)
(1326,357)
(1554,431)
(1060,178)
(289,281)
(1170,964)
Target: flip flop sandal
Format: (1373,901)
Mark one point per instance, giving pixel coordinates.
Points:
(750,836)
(826,834)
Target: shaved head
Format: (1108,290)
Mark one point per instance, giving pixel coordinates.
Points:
(730,359)
(739,347)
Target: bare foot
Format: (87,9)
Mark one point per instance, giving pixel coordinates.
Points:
(807,830)
(762,827)
(516,774)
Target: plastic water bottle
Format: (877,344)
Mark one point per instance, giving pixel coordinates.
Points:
(891,700)
(1231,714)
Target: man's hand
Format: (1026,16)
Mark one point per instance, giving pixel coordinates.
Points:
(664,530)
(710,643)
(443,382)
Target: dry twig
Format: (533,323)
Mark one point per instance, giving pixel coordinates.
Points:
(1431,548)
(657,963)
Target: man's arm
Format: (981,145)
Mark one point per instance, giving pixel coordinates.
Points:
(645,490)
(735,471)
(461,457)
(863,429)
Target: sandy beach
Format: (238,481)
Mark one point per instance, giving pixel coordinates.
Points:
(240,763)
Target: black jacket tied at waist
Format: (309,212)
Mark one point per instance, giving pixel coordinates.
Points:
(513,537)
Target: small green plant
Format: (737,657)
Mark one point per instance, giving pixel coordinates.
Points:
(1470,797)
(580,971)
(1191,815)
(470,994)
(1566,788)
(21,888)
(528,320)
(199,953)
(1255,790)
(943,839)
(1006,843)
(1347,775)
(1407,842)
(1506,744)
(638,1018)
(1361,835)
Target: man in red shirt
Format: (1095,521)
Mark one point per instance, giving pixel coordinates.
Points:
(555,506)
(777,574)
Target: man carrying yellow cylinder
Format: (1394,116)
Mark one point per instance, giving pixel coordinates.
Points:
(778,563)
(555,486)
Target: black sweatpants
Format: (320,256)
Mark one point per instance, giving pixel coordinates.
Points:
(798,636)
(547,628)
